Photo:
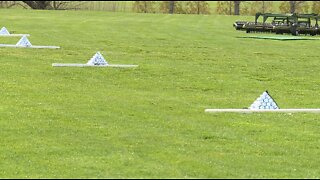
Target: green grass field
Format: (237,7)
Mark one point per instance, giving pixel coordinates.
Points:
(149,122)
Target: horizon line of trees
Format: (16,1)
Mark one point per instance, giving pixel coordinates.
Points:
(227,7)
(172,7)
(185,7)
(252,7)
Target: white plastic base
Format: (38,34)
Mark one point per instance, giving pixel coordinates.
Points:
(263,110)
(13,35)
(87,65)
(36,47)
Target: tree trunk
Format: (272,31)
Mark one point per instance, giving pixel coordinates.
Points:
(171,7)
(292,6)
(55,6)
(230,7)
(198,7)
(237,7)
(124,6)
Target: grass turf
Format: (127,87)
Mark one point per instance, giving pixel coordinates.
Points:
(149,122)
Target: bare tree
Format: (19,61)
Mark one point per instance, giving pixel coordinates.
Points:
(316,6)
(9,4)
(56,5)
(225,7)
(237,7)
(196,7)
(124,6)
(294,5)
(144,6)
(59,5)
(171,7)
(39,4)
(114,6)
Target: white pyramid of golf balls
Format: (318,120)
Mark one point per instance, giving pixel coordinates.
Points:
(97,59)
(264,102)
(24,42)
(4,31)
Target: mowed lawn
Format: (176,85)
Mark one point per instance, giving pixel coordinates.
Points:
(149,122)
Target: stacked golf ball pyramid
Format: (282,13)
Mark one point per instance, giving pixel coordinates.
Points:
(24,42)
(4,31)
(97,59)
(264,102)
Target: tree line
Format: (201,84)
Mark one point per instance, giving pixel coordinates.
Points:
(227,7)
(252,7)
(185,7)
(172,7)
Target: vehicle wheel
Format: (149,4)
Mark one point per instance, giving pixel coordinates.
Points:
(295,33)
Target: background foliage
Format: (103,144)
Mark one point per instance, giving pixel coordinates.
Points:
(181,7)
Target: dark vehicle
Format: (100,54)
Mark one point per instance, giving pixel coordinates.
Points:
(239,25)
(294,24)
